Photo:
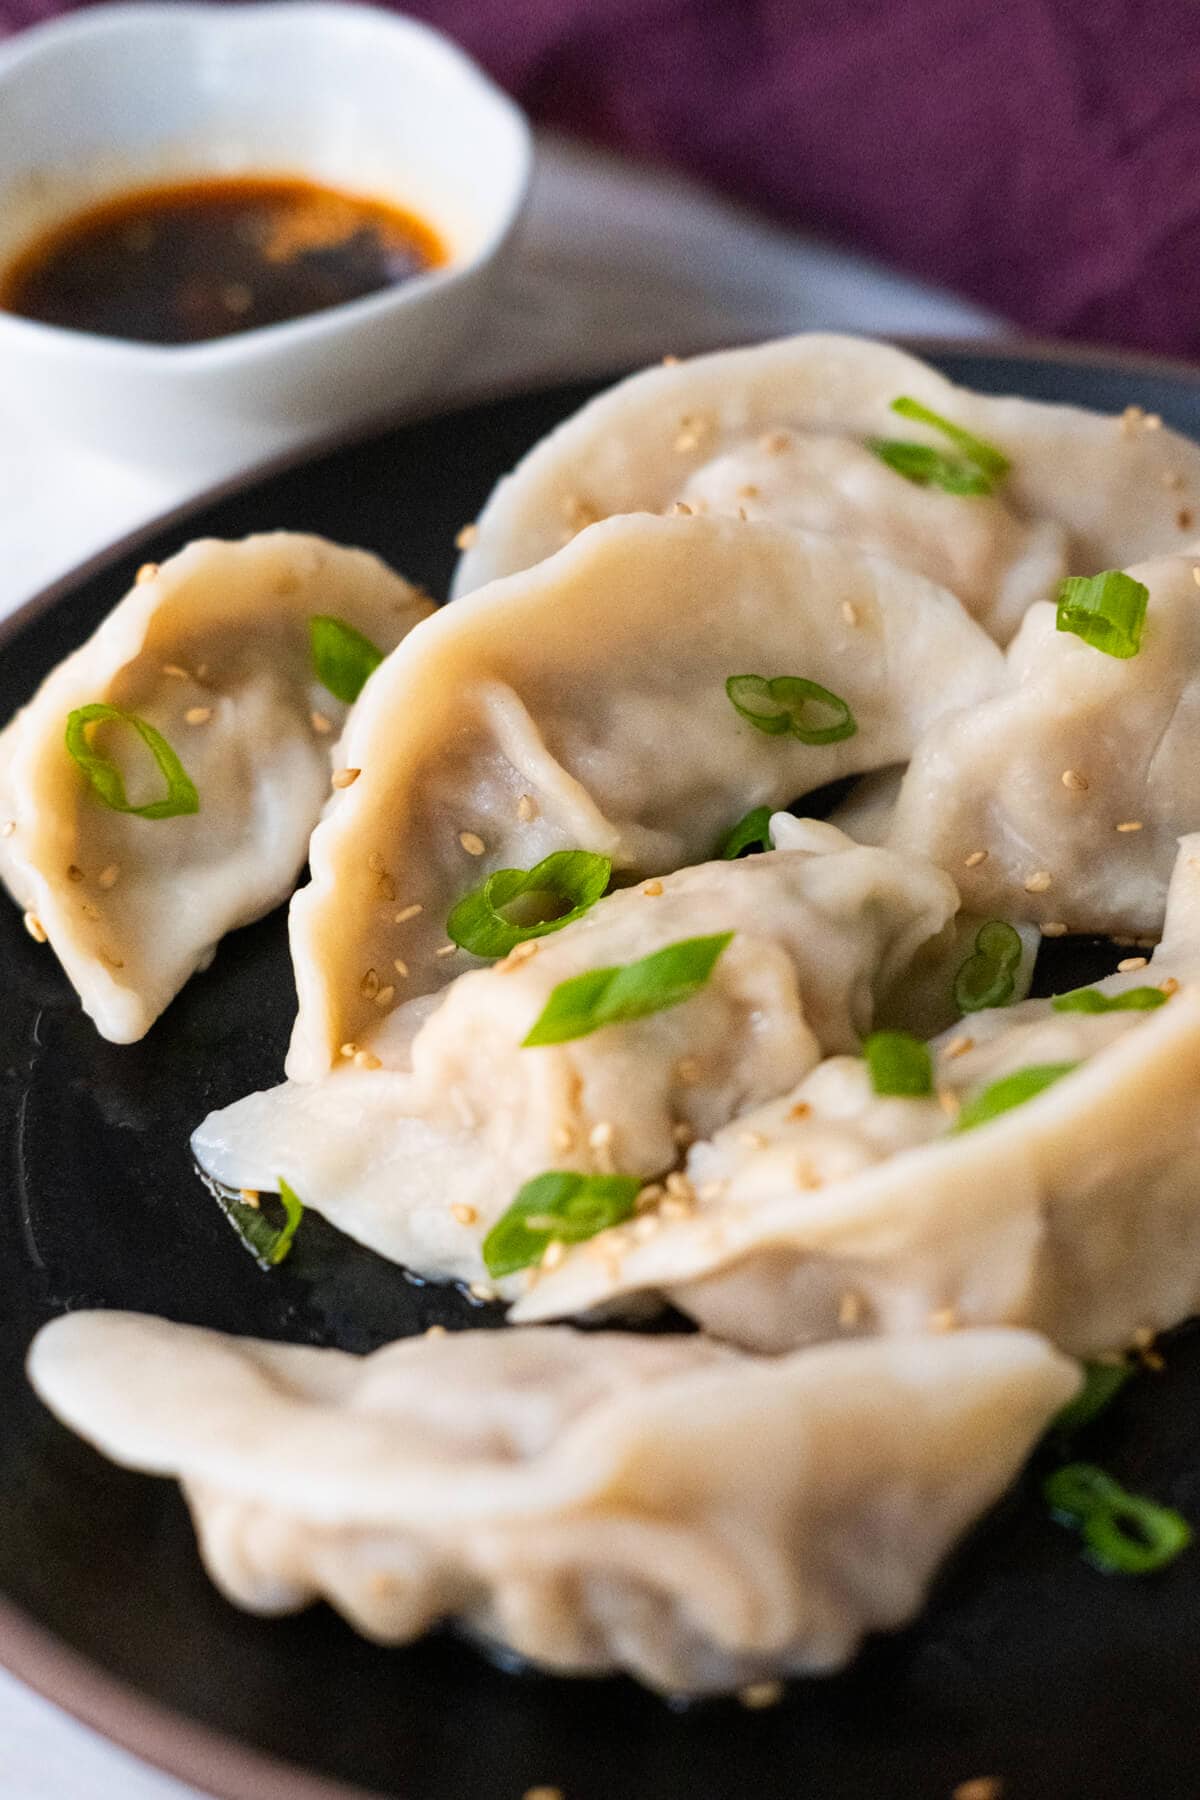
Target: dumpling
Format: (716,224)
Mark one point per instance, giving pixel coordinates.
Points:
(659,1505)
(420,1166)
(583,705)
(1062,798)
(920,998)
(1075,1213)
(781,430)
(133,871)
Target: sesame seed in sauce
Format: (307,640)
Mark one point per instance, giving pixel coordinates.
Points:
(976,857)
(385,996)
(463,1214)
(147,572)
(465,538)
(1071,778)
(760,1694)
(526,808)
(109,876)
(344,778)
(652,889)
(368,987)
(198,715)
(1038,882)
(1054,928)
(366,1059)
(35,928)
(958,1047)
(74,872)
(176,672)
(445,950)
(407,912)
(1128,963)
(472,843)
(1130,825)
(400,966)
(320,723)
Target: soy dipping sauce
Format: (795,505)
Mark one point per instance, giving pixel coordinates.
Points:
(189,262)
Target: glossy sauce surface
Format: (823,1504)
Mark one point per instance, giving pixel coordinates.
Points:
(203,259)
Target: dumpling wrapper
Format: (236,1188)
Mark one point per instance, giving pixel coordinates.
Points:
(780,430)
(582,705)
(419,1166)
(990,778)
(1076,1213)
(131,906)
(660,1505)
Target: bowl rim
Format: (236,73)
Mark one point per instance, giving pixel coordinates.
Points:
(72,32)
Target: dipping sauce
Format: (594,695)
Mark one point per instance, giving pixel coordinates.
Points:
(203,259)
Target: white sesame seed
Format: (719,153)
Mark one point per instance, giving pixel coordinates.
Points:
(526,808)
(176,672)
(445,950)
(400,967)
(1071,778)
(554,1254)
(1038,882)
(472,843)
(1130,825)
(385,996)
(463,1214)
(320,723)
(434,1331)
(198,715)
(1054,928)
(958,1047)
(35,928)
(350,1049)
(681,510)
(760,1694)
(344,778)
(652,889)
(468,535)
(601,1135)
(1128,963)
(850,1309)
(109,876)
(1169,986)
(479,1290)
(407,912)
(147,572)
(976,857)
(950,1103)
(365,1059)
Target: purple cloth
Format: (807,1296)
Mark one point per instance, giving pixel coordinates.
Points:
(1039,156)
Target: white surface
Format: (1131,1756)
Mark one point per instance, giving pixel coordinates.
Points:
(614,265)
(231,90)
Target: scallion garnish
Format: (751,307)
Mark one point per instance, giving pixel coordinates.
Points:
(514,905)
(988,976)
(342,658)
(105,777)
(560,1206)
(1011,1090)
(269,1241)
(633,990)
(791,704)
(1123,1533)
(899,1064)
(979,469)
(1091,1000)
(750,833)
(1102,1382)
(1107,611)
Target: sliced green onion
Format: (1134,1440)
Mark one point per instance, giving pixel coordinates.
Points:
(629,991)
(1107,611)
(1091,1000)
(980,469)
(560,1206)
(105,777)
(342,658)
(1102,1382)
(899,1064)
(1124,1534)
(268,1241)
(988,976)
(1011,1090)
(555,891)
(750,833)
(785,703)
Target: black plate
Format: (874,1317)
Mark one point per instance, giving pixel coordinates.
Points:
(1028,1664)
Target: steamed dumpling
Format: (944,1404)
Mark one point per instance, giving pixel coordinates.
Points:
(582,705)
(421,1165)
(1075,1213)
(780,430)
(211,652)
(1062,798)
(698,1518)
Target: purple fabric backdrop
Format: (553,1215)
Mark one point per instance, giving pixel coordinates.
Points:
(1041,156)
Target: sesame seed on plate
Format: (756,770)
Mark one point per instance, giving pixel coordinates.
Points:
(400,966)
(472,843)
(554,1254)
(526,808)
(408,912)
(976,857)
(1130,825)
(1128,963)
(445,950)
(1038,882)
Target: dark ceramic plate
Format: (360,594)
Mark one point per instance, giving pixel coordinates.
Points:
(1027,1665)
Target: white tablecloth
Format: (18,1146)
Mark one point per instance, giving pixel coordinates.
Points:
(616,264)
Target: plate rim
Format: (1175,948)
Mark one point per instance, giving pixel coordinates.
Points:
(212,1761)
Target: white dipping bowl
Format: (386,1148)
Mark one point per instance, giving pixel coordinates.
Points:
(126,96)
